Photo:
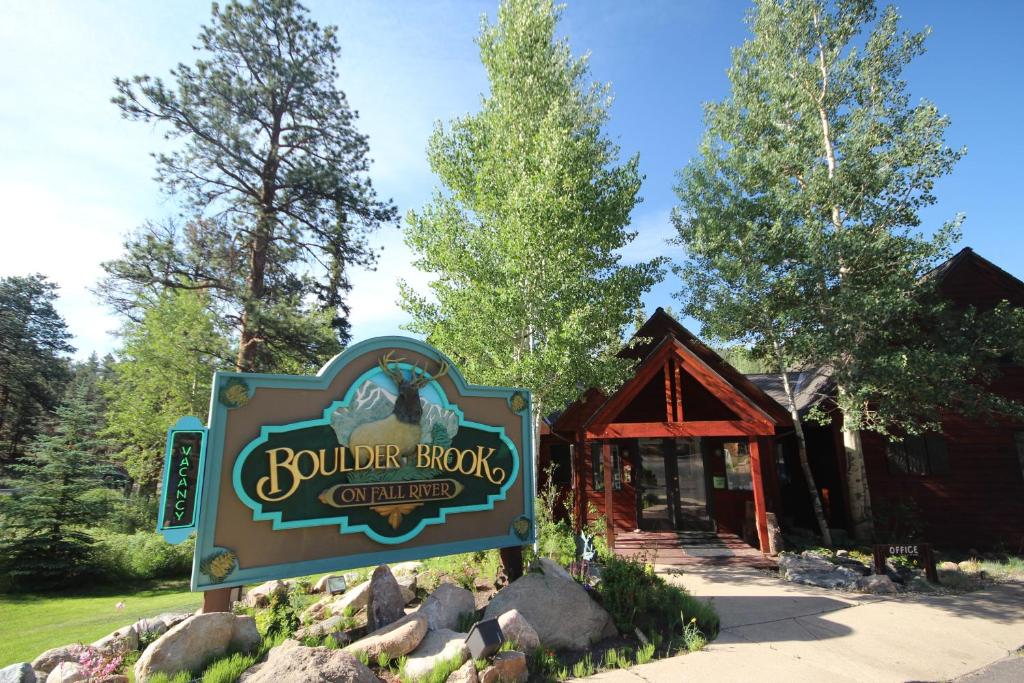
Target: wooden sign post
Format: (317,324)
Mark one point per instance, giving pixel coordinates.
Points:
(922,551)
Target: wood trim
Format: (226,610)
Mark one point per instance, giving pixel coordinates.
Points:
(609,503)
(679,392)
(741,404)
(757,479)
(579,482)
(669,413)
(633,430)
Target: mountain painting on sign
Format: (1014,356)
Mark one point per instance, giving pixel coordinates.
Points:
(386,455)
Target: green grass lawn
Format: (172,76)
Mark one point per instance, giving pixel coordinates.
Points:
(31,623)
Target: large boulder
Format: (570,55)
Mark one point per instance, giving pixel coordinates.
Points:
(507,667)
(291,661)
(814,570)
(407,584)
(195,641)
(877,583)
(517,629)
(67,672)
(385,604)
(406,568)
(18,673)
(396,639)
(354,598)
(151,627)
(46,662)
(559,609)
(321,628)
(437,646)
(464,674)
(119,642)
(446,605)
(259,596)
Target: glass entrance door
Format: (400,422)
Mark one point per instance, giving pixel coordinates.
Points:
(653,485)
(693,500)
(672,491)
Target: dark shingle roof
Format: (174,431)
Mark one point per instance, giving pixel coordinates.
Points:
(809,388)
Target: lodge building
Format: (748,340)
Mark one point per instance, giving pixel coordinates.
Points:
(689,444)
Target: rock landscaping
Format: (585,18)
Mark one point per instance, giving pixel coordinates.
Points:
(397,626)
(844,570)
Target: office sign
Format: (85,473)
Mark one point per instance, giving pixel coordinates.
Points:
(387,454)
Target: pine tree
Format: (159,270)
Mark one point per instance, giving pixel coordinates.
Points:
(43,542)
(273,175)
(33,360)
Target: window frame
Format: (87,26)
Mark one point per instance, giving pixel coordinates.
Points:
(919,455)
(597,468)
(743,449)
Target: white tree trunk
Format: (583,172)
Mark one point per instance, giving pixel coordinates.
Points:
(805,465)
(861,520)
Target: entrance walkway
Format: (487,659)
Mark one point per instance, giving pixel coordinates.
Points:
(690,548)
(776,631)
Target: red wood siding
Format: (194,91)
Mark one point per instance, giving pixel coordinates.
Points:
(623,501)
(980,502)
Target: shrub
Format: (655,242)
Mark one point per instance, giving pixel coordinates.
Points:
(281,618)
(142,555)
(636,597)
(229,669)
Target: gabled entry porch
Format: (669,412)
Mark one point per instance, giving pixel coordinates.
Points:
(685,445)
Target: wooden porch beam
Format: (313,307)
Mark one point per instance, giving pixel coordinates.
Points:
(669,414)
(679,390)
(633,430)
(757,467)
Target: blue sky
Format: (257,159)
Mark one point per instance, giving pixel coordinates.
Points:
(75,177)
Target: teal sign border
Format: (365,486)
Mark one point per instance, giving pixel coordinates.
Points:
(178,534)
(213,472)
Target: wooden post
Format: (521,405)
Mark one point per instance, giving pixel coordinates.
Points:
(669,403)
(679,391)
(579,483)
(760,512)
(606,458)
(512,562)
(217,600)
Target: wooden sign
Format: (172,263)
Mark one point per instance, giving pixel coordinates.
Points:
(921,551)
(386,455)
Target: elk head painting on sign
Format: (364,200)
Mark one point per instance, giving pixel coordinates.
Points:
(387,454)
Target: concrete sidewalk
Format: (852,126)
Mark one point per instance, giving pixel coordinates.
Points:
(776,631)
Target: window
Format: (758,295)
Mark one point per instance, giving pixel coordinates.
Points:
(598,467)
(921,455)
(780,464)
(561,465)
(737,466)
